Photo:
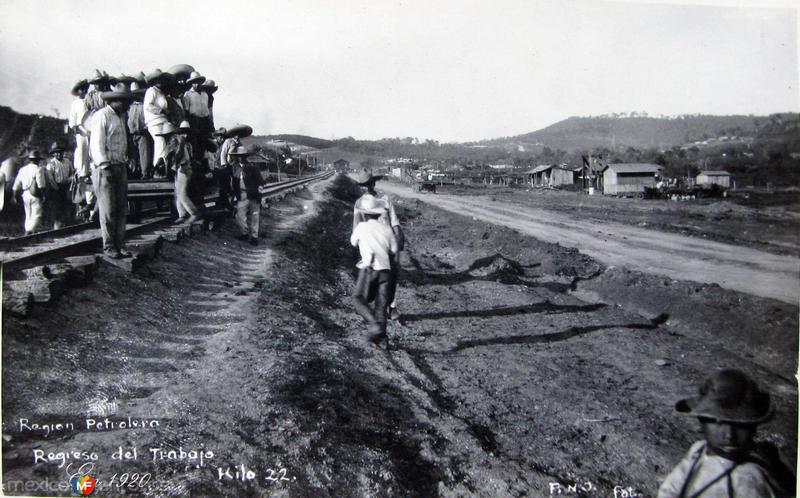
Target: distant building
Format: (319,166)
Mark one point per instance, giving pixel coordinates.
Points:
(721,178)
(341,165)
(629,178)
(552,175)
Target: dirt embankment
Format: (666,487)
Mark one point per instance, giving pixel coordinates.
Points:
(508,375)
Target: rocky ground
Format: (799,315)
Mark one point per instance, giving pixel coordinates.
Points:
(518,366)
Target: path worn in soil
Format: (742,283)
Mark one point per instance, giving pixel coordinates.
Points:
(512,373)
(676,256)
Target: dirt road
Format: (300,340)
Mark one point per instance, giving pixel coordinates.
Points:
(676,256)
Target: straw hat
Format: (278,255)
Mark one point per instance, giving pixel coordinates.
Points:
(181,71)
(370,204)
(34,154)
(209,86)
(99,77)
(195,77)
(118,95)
(240,151)
(240,131)
(158,76)
(80,85)
(729,396)
(185,127)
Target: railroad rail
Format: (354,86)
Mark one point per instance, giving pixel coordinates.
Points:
(43,247)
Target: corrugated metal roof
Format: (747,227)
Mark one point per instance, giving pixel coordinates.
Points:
(714,173)
(634,168)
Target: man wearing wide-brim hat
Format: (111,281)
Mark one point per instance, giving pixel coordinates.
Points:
(195,103)
(178,158)
(108,144)
(247,179)
(366,180)
(32,182)
(376,246)
(156,110)
(728,462)
(58,173)
(210,88)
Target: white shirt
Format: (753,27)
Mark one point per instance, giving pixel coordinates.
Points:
(195,103)
(108,141)
(77,113)
(390,218)
(59,172)
(28,175)
(227,146)
(375,241)
(155,107)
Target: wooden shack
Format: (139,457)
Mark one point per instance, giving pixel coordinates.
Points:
(721,178)
(629,178)
(552,175)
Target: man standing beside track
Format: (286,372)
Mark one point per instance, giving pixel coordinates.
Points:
(108,144)
(58,172)
(366,181)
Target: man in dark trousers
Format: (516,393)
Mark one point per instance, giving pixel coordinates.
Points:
(108,144)
(366,181)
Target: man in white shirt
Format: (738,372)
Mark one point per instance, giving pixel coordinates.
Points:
(366,181)
(109,148)
(377,246)
(195,103)
(156,111)
(32,182)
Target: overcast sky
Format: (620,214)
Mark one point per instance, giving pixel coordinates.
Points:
(447,70)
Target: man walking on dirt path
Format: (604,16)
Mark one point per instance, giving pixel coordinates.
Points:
(377,246)
(108,143)
(366,181)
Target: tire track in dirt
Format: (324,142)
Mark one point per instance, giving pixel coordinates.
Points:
(679,257)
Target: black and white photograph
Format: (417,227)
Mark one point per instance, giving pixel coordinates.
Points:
(399,248)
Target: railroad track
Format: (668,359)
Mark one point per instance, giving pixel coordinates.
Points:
(44,247)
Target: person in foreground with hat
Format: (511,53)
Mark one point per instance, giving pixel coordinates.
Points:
(58,172)
(366,181)
(108,144)
(728,463)
(178,157)
(32,182)
(377,245)
(247,179)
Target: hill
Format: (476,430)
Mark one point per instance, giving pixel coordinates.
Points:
(316,143)
(641,132)
(32,130)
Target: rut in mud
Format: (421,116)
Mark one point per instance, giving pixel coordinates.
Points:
(503,381)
